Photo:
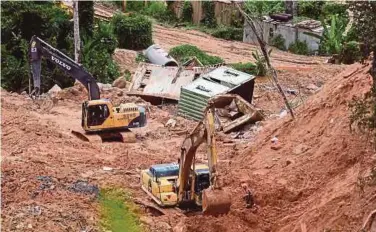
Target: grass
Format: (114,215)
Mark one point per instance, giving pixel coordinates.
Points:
(117,212)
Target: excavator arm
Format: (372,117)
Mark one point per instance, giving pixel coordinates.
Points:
(215,201)
(39,48)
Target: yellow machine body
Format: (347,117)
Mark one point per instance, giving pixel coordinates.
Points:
(160,183)
(101,115)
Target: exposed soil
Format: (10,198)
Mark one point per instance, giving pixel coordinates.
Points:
(312,180)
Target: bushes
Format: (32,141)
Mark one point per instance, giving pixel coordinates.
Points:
(249,68)
(279,42)
(19,22)
(86,17)
(228,33)
(159,11)
(187,12)
(133,32)
(299,47)
(350,53)
(209,14)
(97,52)
(183,52)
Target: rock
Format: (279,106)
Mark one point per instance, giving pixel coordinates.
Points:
(274,139)
(29,226)
(23,179)
(288,162)
(312,87)
(171,123)
(180,227)
(54,90)
(300,149)
(292,91)
(24,93)
(283,114)
(146,220)
(107,169)
(276,147)
(120,93)
(104,87)
(163,227)
(120,83)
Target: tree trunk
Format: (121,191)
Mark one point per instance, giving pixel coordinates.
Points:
(291,7)
(76,31)
(264,49)
(124,6)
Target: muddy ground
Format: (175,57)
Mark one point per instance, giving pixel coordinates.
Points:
(315,179)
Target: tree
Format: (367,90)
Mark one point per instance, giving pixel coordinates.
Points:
(364,109)
(86,15)
(364,15)
(19,22)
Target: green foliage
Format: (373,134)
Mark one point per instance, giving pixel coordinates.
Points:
(333,8)
(261,8)
(187,12)
(299,47)
(228,33)
(86,17)
(209,19)
(311,9)
(117,213)
(364,26)
(141,57)
(364,108)
(183,52)
(363,112)
(350,53)
(133,32)
(159,11)
(261,67)
(133,6)
(19,22)
(332,38)
(249,67)
(97,54)
(279,42)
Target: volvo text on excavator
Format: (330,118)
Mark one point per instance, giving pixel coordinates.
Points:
(187,183)
(99,116)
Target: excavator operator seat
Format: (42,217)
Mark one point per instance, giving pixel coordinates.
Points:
(97,114)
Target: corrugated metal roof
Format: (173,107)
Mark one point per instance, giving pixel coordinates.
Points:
(206,88)
(194,96)
(228,76)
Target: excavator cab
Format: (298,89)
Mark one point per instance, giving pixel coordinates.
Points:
(101,115)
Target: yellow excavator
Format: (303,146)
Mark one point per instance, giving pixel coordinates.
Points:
(99,116)
(186,183)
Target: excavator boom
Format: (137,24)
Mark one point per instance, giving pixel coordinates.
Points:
(39,48)
(214,200)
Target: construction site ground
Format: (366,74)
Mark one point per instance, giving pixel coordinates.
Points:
(315,179)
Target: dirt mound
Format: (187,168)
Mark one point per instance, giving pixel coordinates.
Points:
(311,183)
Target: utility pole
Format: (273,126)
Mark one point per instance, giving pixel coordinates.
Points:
(76,31)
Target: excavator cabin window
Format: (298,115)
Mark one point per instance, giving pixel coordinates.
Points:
(97,114)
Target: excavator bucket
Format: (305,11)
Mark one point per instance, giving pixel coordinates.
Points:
(215,202)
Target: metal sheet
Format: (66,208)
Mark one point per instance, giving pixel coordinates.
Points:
(228,76)
(165,82)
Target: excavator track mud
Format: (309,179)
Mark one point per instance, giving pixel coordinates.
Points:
(100,137)
(215,202)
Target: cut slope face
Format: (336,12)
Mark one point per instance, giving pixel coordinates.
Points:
(311,181)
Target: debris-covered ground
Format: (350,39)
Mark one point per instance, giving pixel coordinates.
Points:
(314,178)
